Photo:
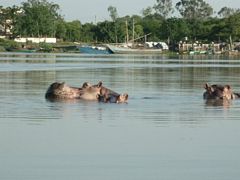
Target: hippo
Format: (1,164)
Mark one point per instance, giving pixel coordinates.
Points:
(63,91)
(89,92)
(219,92)
(108,95)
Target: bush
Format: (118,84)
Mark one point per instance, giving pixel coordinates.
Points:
(45,47)
(9,43)
(2,49)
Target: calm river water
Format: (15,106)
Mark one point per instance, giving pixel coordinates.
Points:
(165,132)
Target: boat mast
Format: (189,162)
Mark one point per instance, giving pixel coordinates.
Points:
(133,31)
(231,44)
(127,36)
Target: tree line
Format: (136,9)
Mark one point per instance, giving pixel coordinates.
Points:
(196,21)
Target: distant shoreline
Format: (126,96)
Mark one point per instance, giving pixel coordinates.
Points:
(71,47)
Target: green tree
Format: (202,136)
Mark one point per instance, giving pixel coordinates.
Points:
(147,11)
(164,8)
(194,9)
(105,32)
(176,29)
(38,18)
(88,32)
(226,12)
(152,25)
(233,23)
(113,13)
(212,30)
(3,19)
(61,29)
(204,29)
(8,18)
(73,30)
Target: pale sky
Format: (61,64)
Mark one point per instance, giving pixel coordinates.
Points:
(87,10)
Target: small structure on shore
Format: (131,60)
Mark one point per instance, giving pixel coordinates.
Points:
(36,40)
(204,48)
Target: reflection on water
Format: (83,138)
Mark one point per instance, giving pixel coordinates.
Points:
(219,103)
(166,131)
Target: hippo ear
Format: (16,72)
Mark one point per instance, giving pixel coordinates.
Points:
(227,86)
(85,85)
(206,86)
(125,96)
(99,84)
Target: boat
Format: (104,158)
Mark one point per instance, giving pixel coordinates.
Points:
(21,50)
(146,48)
(86,49)
(134,47)
(63,48)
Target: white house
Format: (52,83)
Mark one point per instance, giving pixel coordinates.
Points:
(36,40)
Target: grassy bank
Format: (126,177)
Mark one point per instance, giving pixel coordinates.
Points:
(10,45)
(5,44)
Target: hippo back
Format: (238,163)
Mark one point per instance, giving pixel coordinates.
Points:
(62,91)
(90,92)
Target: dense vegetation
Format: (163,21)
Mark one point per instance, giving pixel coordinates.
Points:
(40,18)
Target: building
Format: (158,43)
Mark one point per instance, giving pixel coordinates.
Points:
(36,40)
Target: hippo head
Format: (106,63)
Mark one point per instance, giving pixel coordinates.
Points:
(218,92)
(62,91)
(110,96)
(122,98)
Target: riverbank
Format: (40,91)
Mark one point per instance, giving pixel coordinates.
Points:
(12,46)
(71,47)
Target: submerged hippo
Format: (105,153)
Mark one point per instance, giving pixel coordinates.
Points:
(63,91)
(108,95)
(86,92)
(219,92)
